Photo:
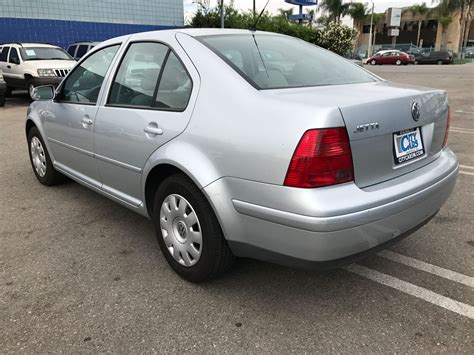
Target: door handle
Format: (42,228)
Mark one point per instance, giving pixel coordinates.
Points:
(9,66)
(153,129)
(86,121)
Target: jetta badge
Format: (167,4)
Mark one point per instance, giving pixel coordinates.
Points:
(415,111)
(366,127)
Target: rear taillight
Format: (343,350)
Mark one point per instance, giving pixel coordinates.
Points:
(446,133)
(322,158)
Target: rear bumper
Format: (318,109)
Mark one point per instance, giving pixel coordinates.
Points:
(312,227)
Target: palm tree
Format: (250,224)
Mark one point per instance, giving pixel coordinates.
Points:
(335,9)
(421,11)
(358,11)
(444,15)
(285,13)
(311,12)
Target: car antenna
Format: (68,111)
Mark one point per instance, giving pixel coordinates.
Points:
(254,26)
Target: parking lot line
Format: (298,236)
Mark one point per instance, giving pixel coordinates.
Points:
(427,267)
(466,112)
(466,173)
(413,290)
(462,166)
(461,130)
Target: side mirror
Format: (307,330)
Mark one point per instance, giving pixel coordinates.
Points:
(43,93)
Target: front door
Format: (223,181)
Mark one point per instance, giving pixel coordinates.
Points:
(69,119)
(150,102)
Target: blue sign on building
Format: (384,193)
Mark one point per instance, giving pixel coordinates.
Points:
(304,17)
(302,2)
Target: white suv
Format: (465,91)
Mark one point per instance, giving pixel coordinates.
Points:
(27,65)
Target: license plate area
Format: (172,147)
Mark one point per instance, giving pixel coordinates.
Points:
(407,145)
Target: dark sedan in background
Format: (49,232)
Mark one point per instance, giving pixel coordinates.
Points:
(437,57)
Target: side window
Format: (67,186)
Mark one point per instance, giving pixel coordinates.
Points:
(137,77)
(14,58)
(71,50)
(175,86)
(81,50)
(4,54)
(83,84)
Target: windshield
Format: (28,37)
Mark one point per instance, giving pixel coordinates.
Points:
(44,53)
(274,62)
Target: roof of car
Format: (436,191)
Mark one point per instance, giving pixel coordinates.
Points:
(83,42)
(388,50)
(29,44)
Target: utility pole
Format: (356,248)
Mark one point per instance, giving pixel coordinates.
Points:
(222,13)
(369,48)
(253,10)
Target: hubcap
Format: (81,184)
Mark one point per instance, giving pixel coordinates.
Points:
(181,230)
(38,157)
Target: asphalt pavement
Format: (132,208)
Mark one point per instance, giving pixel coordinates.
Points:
(79,273)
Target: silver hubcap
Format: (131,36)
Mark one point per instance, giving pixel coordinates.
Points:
(38,157)
(181,230)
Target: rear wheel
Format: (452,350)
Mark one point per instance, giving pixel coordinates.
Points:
(398,62)
(439,62)
(416,62)
(41,161)
(188,231)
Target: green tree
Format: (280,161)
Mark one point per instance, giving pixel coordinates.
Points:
(335,9)
(359,13)
(420,11)
(338,38)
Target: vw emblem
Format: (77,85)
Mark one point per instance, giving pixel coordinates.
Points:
(181,229)
(415,111)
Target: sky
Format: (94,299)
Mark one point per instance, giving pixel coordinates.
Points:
(274,5)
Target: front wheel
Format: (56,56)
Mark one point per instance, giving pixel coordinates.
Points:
(398,62)
(373,62)
(31,89)
(41,161)
(2,99)
(188,231)
(439,62)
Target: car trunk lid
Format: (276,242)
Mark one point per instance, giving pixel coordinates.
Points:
(373,113)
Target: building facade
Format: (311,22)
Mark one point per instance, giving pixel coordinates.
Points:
(61,22)
(431,34)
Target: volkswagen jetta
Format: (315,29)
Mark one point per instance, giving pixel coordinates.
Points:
(248,144)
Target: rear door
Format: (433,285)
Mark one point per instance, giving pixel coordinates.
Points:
(150,102)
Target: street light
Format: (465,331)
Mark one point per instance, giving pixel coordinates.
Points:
(222,13)
(369,48)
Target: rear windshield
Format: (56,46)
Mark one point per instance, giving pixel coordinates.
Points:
(44,53)
(276,62)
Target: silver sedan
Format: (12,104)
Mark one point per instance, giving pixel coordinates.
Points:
(247,144)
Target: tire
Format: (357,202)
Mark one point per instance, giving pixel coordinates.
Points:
(373,62)
(398,62)
(195,259)
(439,62)
(2,100)
(39,157)
(31,87)
(416,62)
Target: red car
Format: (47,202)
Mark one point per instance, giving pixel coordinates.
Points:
(391,56)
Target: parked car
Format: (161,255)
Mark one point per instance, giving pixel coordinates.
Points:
(391,57)
(468,52)
(437,57)
(268,179)
(79,49)
(354,58)
(3,89)
(27,65)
